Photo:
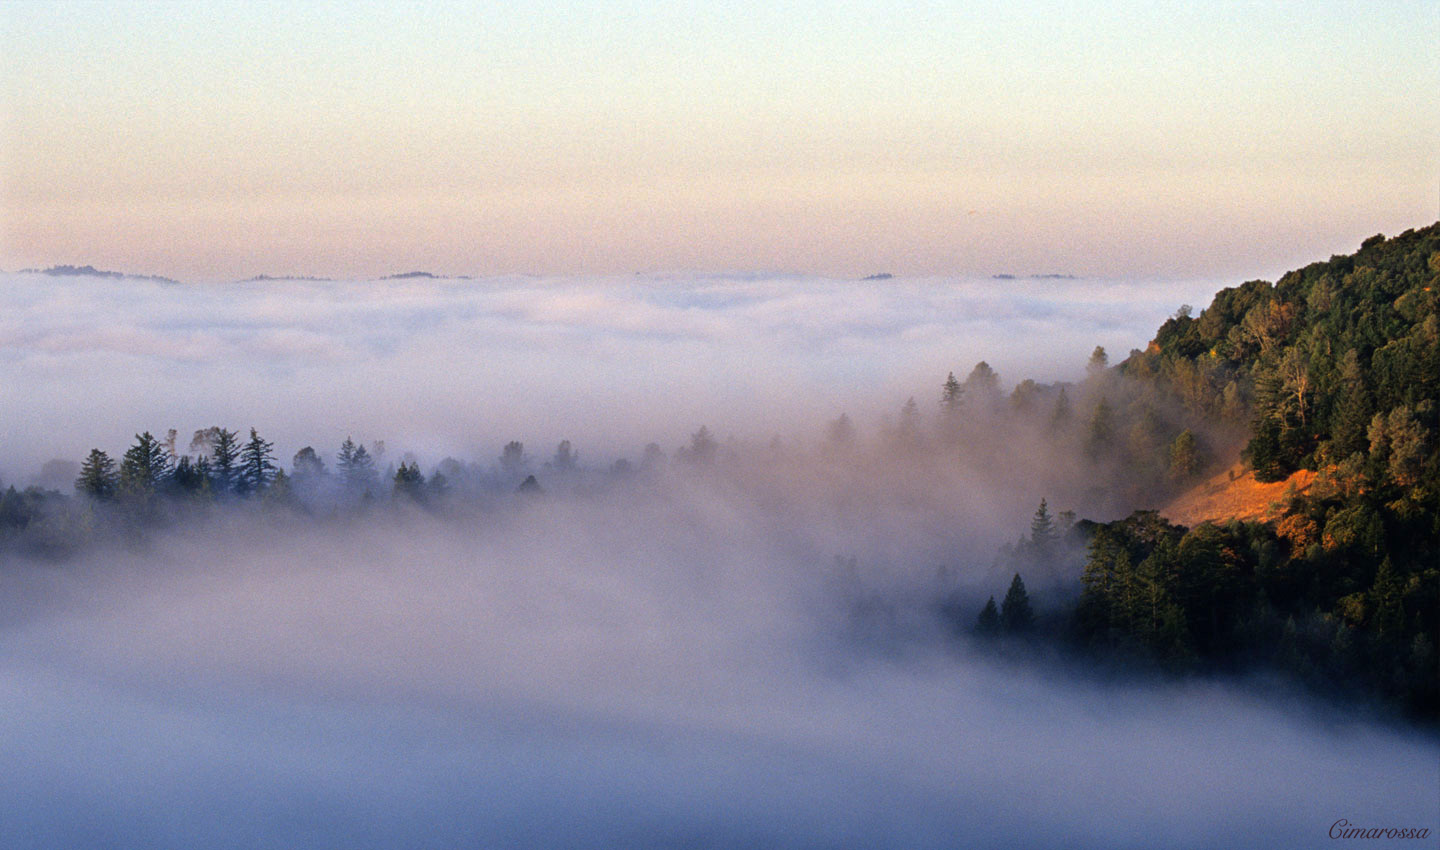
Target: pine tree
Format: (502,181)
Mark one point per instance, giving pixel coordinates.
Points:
(98,478)
(982,387)
(257,466)
(1099,361)
(1353,411)
(950,394)
(224,457)
(190,476)
(1015,613)
(362,469)
(1184,456)
(1101,435)
(988,623)
(409,482)
(145,467)
(1042,531)
(356,467)
(345,460)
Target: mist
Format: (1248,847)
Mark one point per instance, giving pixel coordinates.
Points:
(667,669)
(744,648)
(459,367)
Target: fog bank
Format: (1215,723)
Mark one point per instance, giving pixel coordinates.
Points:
(653,671)
(460,367)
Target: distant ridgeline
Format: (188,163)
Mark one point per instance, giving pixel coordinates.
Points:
(1334,369)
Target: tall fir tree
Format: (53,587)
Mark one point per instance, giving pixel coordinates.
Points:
(98,478)
(1042,531)
(951,394)
(257,465)
(145,468)
(1016,615)
(224,460)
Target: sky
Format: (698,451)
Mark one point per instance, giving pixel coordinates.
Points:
(1150,140)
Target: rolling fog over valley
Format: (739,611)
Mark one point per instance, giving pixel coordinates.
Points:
(757,637)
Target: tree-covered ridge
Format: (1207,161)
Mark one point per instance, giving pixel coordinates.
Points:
(1313,360)
(1336,368)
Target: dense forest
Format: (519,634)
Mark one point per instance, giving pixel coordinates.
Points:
(1333,369)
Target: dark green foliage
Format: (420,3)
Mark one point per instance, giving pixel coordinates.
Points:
(98,478)
(224,460)
(1016,615)
(1314,356)
(1227,594)
(191,477)
(257,466)
(1185,456)
(144,468)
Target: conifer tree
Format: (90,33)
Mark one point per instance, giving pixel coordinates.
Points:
(950,394)
(98,478)
(145,467)
(1184,456)
(1102,430)
(409,482)
(1042,531)
(1099,361)
(1015,613)
(257,465)
(988,623)
(224,459)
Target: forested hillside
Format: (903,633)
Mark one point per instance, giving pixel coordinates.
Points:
(1334,368)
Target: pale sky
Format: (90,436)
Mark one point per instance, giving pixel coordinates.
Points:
(222,140)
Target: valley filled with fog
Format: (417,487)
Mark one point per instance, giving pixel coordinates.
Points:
(741,636)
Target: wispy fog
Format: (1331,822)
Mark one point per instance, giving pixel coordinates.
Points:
(662,670)
(460,367)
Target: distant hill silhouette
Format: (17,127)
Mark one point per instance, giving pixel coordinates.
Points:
(91,271)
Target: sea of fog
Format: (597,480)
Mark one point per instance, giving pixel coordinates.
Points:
(664,660)
(460,367)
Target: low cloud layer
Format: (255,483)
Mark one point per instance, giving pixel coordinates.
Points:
(461,366)
(641,672)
